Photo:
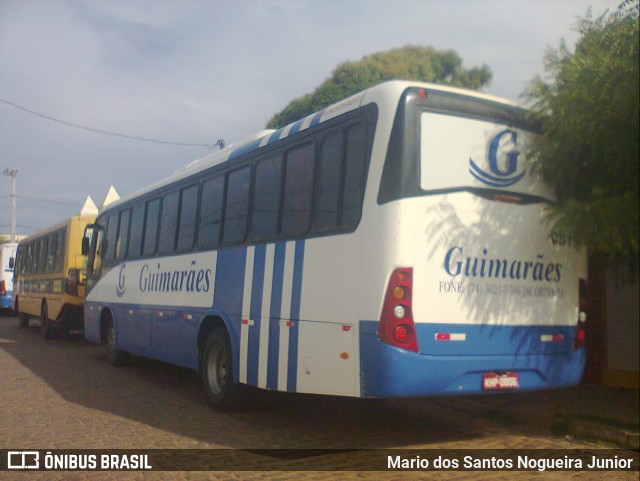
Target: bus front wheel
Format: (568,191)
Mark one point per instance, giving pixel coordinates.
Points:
(216,369)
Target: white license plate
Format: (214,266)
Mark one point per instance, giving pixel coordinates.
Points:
(505,380)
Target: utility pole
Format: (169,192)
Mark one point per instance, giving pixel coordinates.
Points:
(12,173)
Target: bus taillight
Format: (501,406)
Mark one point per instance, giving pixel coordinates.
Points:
(396,326)
(3,288)
(71,282)
(581,333)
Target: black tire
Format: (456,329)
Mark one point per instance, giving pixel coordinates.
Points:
(116,356)
(216,370)
(46,326)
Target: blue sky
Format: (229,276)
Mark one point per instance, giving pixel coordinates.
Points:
(194,71)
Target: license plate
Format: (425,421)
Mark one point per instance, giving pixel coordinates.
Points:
(505,380)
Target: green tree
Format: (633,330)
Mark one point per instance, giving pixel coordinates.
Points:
(409,63)
(589,147)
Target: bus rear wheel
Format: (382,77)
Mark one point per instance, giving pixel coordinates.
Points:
(216,369)
(46,326)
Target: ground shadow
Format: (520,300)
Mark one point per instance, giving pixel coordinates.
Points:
(170,398)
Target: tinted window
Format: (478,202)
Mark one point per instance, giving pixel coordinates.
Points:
(123,234)
(51,252)
(298,190)
(168,222)
(188,210)
(236,206)
(137,229)
(112,232)
(328,191)
(43,254)
(29,258)
(355,172)
(210,212)
(266,205)
(60,250)
(151,227)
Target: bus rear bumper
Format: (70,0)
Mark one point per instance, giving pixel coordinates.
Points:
(388,371)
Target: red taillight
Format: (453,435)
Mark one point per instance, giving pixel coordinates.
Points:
(396,326)
(71,282)
(581,334)
(3,288)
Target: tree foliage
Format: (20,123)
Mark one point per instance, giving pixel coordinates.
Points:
(589,148)
(409,63)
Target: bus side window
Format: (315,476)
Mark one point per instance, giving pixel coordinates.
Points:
(136,231)
(27,258)
(51,252)
(187,221)
(110,241)
(298,191)
(355,175)
(210,219)
(123,234)
(265,218)
(330,177)
(151,227)
(168,221)
(42,255)
(60,250)
(236,206)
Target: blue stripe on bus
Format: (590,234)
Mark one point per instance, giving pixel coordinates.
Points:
(296,295)
(245,149)
(316,118)
(229,281)
(296,127)
(275,315)
(275,136)
(255,313)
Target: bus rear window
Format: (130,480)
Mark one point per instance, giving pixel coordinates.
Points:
(459,153)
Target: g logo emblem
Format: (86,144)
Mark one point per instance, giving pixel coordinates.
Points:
(499,177)
(121,287)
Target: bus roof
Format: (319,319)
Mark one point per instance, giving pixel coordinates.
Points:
(47,230)
(392,88)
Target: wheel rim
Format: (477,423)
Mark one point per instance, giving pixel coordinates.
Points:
(217,370)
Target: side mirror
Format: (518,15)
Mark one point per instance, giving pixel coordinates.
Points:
(12,262)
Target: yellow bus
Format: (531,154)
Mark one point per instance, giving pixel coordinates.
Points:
(49,281)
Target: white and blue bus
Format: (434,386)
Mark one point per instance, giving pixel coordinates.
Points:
(7,262)
(391,245)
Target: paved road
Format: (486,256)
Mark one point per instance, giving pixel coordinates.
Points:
(63,394)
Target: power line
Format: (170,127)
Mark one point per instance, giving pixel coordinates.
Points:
(49,201)
(220,143)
